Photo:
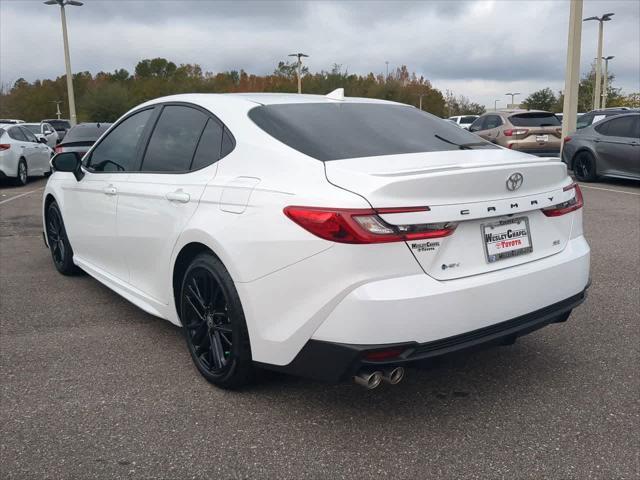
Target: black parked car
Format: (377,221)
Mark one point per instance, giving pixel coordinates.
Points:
(608,148)
(81,137)
(61,126)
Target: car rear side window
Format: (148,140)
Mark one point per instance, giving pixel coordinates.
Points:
(334,131)
(534,119)
(17,134)
(29,136)
(174,139)
(492,121)
(117,151)
(467,119)
(210,145)
(617,127)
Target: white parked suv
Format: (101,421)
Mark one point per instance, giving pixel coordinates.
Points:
(22,155)
(328,237)
(463,121)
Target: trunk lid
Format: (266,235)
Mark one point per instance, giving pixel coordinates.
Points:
(470,188)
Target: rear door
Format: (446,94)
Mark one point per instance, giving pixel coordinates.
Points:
(491,127)
(616,145)
(158,200)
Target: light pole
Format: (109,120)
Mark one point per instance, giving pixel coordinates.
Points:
(420,95)
(58,112)
(387,64)
(512,97)
(596,90)
(605,79)
(495,105)
(299,55)
(572,73)
(67,61)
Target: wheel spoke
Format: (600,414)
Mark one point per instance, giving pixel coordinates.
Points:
(194,308)
(217,350)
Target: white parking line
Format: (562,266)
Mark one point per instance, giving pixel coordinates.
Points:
(582,185)
(21,195)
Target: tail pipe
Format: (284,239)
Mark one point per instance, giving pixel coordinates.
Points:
(368,379)
(393,376)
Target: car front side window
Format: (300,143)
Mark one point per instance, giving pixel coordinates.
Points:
(117,152)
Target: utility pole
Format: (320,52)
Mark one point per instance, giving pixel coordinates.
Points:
(299,55)
(596,89)
(605,80)
(420,95)
(572,71)
(512,97)
(67,60)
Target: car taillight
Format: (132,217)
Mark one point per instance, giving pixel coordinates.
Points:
(566,207)
(364,225)
(5,146)
(509,132)
(382,355)
(58,149)
(567,139)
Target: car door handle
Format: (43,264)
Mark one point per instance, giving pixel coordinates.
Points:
(178,196)
(110,190)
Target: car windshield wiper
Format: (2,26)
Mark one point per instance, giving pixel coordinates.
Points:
(462,146)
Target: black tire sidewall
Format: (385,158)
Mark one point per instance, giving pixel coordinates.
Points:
(240,370)
(26,178)
(584,156)
(66,267)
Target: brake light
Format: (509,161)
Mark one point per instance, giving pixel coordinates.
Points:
(5,146)
(515,131)
(58,149)
(363,225)
(567,139)
(566,207)
(381,355)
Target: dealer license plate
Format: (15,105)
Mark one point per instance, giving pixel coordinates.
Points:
(506,238)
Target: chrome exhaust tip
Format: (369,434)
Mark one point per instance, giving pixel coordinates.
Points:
(368,379)
(393,375)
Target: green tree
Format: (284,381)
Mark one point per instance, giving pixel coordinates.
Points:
(543,99)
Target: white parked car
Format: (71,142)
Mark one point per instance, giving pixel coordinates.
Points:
(328,237)
(22,155)
(463,121)
(43,130)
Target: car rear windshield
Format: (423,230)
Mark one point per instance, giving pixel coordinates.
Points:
(59,124)
(85,133)
(335,131)
(534,119)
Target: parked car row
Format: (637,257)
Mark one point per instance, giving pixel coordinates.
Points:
(26,148)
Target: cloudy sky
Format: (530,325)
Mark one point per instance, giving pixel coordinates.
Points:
(481,49)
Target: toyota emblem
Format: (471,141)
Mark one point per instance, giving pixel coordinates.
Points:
(514,182)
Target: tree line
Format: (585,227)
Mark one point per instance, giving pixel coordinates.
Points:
(107,95)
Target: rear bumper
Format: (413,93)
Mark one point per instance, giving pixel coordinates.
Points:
(333,362)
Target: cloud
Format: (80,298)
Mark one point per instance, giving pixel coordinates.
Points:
(479,49)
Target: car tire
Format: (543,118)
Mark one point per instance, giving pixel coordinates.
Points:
(584,167)
(59,246)
(22,174)
(214,325)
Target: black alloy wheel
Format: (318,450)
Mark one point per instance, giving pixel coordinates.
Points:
(59,245)
(214,325)
(584,167)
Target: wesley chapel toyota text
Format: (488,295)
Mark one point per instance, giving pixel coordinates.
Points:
(323,236)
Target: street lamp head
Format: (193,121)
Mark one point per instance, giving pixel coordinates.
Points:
(607,16)
(609,57)
(298,55)
(591,18)
(62,3)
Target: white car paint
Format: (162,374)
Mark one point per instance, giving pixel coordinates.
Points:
(43,130)
(25,147)
(127,229)
(463,121)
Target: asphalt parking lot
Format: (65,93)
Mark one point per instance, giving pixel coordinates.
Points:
(91,386)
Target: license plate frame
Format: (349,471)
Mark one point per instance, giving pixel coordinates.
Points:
(542,138)
(493,255)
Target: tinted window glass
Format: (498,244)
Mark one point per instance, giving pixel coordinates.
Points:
(492,121)
(228,143)
(60,125)
(17,134)
(208,150)
(333,131)
(33,128)
(30,136)
(468,119)
(86,132)
(618,127)
(174,140)
(535,119)
(584,121)
(476,125)
(117,152)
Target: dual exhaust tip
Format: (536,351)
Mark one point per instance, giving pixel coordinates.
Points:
(371,379)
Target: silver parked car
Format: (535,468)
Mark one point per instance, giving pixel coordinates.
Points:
(22,155)
(608,148)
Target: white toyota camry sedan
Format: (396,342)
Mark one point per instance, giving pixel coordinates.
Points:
(323,236)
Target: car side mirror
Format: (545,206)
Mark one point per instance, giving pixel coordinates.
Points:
(42,140)
(68,162)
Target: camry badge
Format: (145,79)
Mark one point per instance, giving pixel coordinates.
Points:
(514,182)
